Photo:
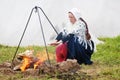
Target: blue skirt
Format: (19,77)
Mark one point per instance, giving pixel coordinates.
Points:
(76,50)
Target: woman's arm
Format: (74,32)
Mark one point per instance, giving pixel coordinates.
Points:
(55,43)
(58,40)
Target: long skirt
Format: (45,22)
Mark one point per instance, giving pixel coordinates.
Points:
(73,49)
(77,50)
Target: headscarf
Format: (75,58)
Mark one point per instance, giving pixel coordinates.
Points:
(76,13)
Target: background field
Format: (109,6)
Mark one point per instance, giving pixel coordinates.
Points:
(106,61)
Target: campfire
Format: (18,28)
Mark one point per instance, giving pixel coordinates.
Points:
(35,65)
(28,60)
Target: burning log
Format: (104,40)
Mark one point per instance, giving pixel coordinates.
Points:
(17,68)
(28,60)
(26,63)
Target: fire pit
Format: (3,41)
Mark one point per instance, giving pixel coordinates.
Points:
(30,65)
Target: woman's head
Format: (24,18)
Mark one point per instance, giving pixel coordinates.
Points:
(74,15)
(72,18)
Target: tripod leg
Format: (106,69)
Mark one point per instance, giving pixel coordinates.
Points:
(48,20)
(43,34)
(22,37)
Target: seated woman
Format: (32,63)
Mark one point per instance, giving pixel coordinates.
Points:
(74,42)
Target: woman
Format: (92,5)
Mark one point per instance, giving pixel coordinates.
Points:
(74,41)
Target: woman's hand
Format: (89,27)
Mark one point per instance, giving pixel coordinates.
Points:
(55,43)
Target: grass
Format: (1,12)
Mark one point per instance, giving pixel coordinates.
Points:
(7,52)
(106,61)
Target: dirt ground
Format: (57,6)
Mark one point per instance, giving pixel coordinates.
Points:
(66,70)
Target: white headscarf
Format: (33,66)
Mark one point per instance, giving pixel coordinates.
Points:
(76,13)
(70,27)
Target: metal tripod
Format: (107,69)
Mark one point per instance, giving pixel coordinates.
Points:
(36,8)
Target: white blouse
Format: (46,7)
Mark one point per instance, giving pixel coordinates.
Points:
(79,30)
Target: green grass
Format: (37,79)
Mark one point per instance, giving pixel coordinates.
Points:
(106,61)
(109,52)
(7,52)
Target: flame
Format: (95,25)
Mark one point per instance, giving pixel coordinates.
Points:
(26,63)
(39,62)
(40,56)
